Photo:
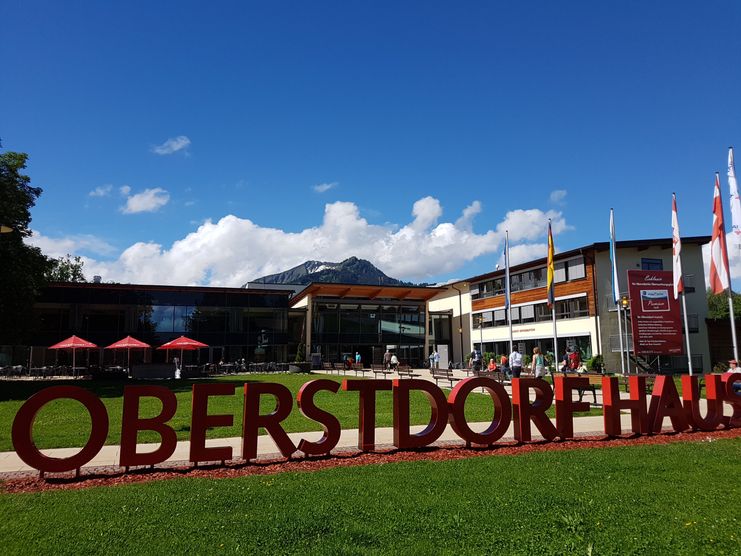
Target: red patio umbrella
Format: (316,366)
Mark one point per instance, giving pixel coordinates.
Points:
(74,343)
(183,344)
(128,343)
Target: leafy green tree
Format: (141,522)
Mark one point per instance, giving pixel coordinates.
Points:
(23,267)
(718,305)
(66,269)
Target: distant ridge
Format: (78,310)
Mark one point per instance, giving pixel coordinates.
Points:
(349,271)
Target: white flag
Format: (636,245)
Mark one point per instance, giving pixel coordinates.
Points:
(676,251)
(735,203)
(719,271)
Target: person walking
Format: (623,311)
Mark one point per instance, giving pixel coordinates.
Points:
(538,363)
(387,359)
(515,362)
(436,355)
(394,362)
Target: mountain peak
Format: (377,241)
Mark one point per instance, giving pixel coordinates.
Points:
(350,271)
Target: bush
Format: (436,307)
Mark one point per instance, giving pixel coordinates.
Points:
(595,364)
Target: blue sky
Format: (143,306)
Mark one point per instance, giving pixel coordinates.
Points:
(486,108)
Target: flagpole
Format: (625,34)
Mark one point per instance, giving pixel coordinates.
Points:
(620,333)
(507,292)
(616,289)
(687,334)
(733,321)
(551,288)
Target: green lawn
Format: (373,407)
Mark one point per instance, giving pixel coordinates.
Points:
(665,499)
(65,423)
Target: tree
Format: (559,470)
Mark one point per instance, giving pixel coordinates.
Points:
(718,305)
(23,266)
(66,269)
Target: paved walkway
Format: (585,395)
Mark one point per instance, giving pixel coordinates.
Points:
(108,456)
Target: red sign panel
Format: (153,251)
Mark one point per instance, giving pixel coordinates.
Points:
(654,313)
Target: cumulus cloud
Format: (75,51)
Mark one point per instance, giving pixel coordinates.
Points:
(233,250)
(101,191)
(558,196)
(74,244)
(530,224)
(149,200)
(124,190)
(172,145)
(324,187)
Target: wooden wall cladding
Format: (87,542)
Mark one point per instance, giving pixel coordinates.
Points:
(583,285)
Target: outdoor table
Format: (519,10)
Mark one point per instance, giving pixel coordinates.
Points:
(77,371)
(228,368)
(193,370)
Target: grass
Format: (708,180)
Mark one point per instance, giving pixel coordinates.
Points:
(661,499)
(65,423)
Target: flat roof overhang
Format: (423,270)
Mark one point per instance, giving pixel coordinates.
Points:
(367,291)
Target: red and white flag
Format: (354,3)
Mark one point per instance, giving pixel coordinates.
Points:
(719,273)
(676,251)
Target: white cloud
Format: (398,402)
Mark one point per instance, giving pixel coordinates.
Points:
(469,213)
(101,191)
(324,187)
(558,196)
(124,190)
(74,244)
(233,250)
(149,200)
(530,224)
(172,145)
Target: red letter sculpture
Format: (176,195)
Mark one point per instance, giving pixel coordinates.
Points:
(22,432)
(612,405)
(524,411)
(367,410)
(131,424)
(665,403)
(270,422)
(691,398)
(201,421)
(330,424)
(566,406)
(403,439)
(502,411)
(732,396)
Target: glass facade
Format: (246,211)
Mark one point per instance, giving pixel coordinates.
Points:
(235,323)
(341,329)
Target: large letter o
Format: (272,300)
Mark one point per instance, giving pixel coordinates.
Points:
(23,429)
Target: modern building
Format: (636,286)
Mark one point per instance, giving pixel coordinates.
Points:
(234,322)
(344,319)
(586,313)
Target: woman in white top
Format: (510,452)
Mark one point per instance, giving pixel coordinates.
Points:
(538,364)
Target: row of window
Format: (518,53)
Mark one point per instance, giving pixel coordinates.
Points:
(537,312)
(564,271)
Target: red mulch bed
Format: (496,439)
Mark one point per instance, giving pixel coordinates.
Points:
(110,476)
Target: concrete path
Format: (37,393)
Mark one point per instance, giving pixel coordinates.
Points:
(108,456)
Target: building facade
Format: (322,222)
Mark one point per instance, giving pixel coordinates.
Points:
(586,314)
(344,319)
(235,323)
